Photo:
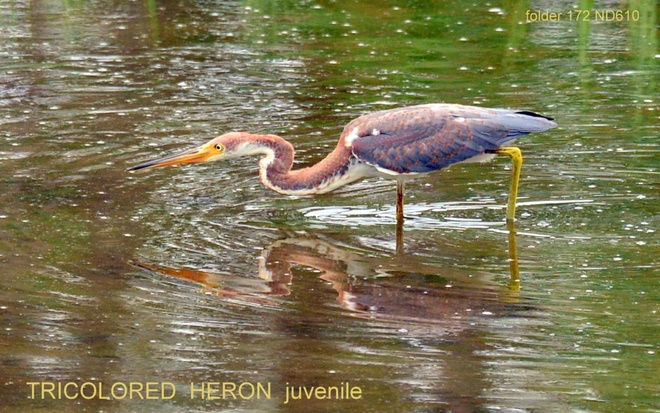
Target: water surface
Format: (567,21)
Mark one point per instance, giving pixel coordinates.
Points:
(199,274)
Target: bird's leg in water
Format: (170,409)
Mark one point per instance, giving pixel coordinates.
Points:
(399,217)
(399,202)
(516,157)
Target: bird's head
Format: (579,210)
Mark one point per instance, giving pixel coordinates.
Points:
(225,146)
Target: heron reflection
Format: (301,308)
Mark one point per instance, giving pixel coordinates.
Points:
(396,287)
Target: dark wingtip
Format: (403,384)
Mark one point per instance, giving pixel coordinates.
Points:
(533,114)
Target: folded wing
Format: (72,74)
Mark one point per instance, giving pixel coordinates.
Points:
(431,137)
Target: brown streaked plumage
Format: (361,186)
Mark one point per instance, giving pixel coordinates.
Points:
(390,143)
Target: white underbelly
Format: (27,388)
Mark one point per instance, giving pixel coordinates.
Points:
(484,157)
(356,171)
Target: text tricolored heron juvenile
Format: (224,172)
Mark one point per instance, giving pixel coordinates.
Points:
(393,143)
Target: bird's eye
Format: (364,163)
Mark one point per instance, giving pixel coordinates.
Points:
(219,147)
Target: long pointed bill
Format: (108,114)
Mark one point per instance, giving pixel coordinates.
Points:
(201,154)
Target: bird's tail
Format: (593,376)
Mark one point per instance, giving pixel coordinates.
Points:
(523,122)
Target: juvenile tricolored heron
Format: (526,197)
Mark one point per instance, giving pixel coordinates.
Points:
(392,143)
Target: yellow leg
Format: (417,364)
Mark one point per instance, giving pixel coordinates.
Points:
(516,157)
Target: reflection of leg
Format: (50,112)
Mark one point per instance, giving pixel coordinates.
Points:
(399,237)
(516,157)
(514,283)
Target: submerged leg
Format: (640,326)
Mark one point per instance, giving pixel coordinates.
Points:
(516,157)
(514,282)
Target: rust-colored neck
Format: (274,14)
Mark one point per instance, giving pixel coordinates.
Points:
(275,166)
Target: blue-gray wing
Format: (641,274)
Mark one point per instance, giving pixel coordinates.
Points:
(430,137)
